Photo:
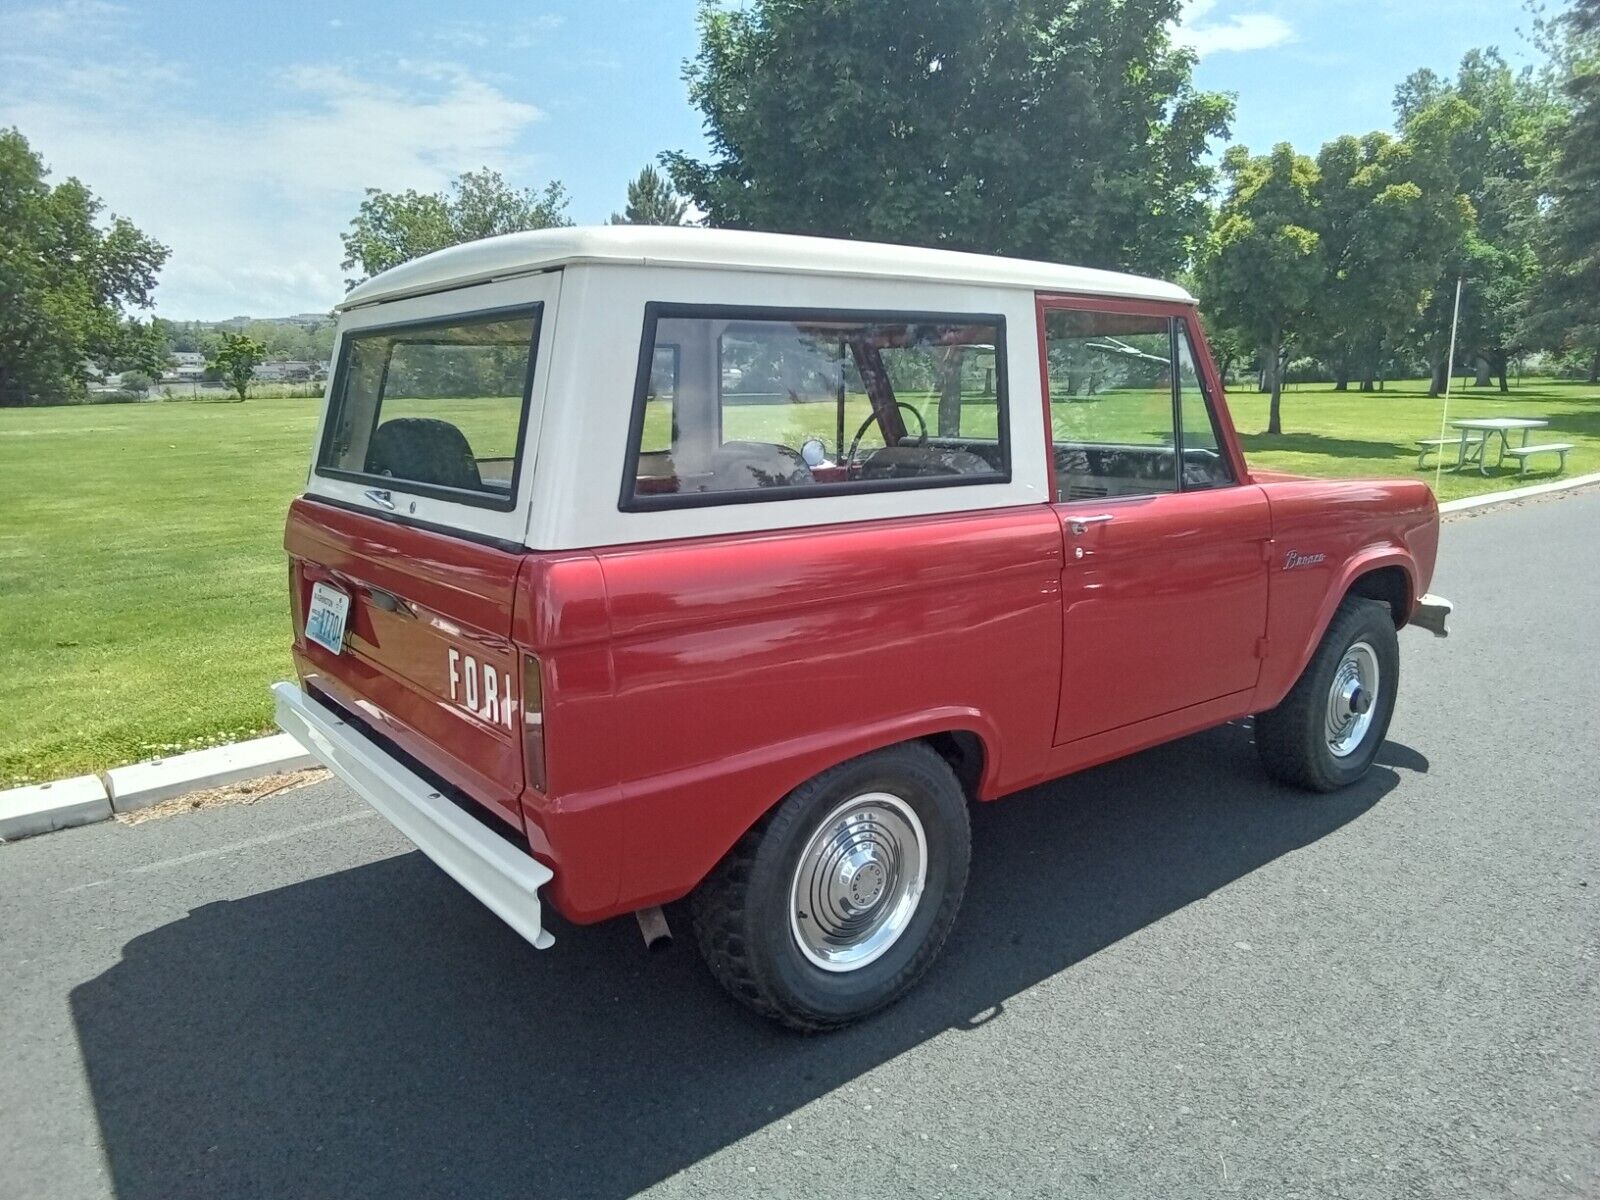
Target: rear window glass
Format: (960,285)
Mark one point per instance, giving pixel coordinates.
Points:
(436,408)
(738,405)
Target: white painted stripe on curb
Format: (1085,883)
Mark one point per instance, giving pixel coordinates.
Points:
(1538,489)
(147,783)
(43,807)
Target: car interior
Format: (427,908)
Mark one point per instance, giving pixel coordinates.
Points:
(735,405)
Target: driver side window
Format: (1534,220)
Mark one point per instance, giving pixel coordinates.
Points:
(774,405)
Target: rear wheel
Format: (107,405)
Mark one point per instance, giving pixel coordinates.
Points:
(1328,729)
(837,902)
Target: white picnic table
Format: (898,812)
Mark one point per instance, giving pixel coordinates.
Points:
(1475,450)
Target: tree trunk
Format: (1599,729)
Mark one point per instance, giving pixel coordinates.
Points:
(1594,366)
(1275,373)
(1440,378)
(950,392)
(1502,363)
(1341,378)
(1480,377)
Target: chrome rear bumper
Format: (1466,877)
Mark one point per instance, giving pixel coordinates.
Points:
(504,878)
(1431,613)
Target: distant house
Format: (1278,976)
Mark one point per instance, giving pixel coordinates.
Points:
(289,370)
(186,365)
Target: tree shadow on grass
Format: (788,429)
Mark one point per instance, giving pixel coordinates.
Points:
(376,1033)
(1332,447)
(1581,424)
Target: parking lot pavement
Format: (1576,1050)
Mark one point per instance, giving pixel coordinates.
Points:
(1170,978)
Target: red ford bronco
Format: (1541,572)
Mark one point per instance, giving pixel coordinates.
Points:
(638,564)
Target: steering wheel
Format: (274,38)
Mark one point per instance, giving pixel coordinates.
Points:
(855,442)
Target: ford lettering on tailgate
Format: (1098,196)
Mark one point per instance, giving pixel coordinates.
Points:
(479,688)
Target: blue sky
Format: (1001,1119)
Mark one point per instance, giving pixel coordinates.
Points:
(242,134)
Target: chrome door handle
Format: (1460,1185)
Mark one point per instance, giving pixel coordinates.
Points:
(1080,525)
(379,496)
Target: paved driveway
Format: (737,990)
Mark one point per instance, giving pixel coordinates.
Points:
(1170,978)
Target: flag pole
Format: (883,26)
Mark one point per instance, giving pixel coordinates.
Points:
(1449,375)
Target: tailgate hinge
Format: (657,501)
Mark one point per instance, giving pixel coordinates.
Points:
(1268,550)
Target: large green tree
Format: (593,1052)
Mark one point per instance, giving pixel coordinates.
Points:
(1025,127)
(1386,212)
(394,227)
(651,201)
(68,278)
(1262,266)
(1564,310)
(1498,156)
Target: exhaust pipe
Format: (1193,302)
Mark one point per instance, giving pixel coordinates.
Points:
(653,924)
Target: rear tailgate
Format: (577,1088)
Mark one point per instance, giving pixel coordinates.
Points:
(427,659)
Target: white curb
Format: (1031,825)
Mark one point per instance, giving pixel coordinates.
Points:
(147,783)
(1540,489)
(42,807)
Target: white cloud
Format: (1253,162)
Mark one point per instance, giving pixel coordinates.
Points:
(480,35)
(1244,31)
(80,20)
(253,206)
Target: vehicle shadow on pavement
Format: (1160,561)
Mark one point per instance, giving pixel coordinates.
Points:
(376,1032)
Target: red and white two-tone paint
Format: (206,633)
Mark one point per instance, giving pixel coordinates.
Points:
(616,606)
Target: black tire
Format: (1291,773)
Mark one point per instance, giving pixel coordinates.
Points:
(741,912)
(1292,739)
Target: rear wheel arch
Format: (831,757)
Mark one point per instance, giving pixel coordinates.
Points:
(968,756)
(966,741)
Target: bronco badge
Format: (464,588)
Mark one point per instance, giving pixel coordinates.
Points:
(1295,559)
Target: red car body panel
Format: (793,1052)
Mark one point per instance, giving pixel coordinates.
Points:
(393,674)
(689,684)
(731,667)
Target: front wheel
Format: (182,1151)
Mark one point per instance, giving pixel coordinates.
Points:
(835,904)
(1328,729)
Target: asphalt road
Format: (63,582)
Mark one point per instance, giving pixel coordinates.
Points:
(1170,978)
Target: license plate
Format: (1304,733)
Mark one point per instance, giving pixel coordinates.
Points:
(325,618)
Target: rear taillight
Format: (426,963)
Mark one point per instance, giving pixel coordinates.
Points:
(296,601)
(533,721)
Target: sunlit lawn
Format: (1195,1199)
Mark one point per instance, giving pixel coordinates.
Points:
(1350,433)
(143,603)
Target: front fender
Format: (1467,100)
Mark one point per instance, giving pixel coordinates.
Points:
(1289,657)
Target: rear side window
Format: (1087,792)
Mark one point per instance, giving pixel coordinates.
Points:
(762,404)
(438,408)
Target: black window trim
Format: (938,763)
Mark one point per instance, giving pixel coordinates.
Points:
(533,309)
(656,310)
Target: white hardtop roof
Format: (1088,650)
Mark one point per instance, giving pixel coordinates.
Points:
(734,250)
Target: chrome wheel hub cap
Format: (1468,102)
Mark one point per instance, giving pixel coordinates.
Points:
(1352,699)
(858,882)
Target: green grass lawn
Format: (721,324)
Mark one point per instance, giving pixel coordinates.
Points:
(1349,433)
(143,589)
